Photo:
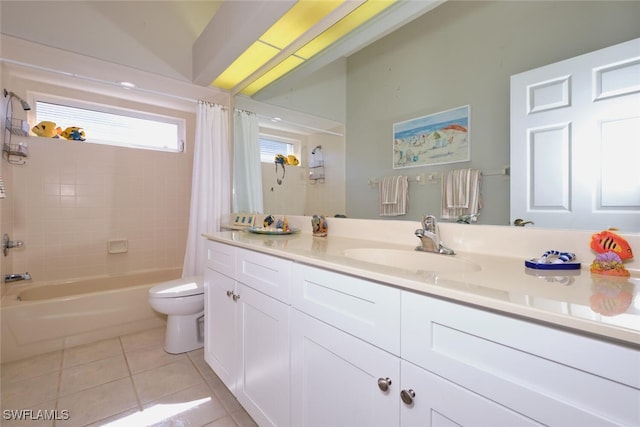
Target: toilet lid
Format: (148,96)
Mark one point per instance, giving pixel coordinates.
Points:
(178,288)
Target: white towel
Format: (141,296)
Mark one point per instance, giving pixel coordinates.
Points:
(461,193)
(393,195)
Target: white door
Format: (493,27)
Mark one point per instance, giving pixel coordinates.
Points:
(220,326)
(575,141)
(263,383)
(334,378)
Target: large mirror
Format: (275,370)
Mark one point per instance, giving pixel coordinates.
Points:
(460,53)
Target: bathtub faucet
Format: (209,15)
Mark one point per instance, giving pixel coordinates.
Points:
(8,278)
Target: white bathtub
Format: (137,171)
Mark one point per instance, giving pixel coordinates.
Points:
(39,318)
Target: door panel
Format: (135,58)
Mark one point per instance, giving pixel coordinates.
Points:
(575,141)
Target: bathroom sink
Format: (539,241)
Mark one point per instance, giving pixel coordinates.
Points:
(412,260)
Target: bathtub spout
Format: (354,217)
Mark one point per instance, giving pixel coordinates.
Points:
(8,278)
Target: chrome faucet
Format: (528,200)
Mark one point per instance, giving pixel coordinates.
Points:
(429,238)
(8,278)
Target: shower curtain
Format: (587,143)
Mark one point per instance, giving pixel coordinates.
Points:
(247,171)
(211,183)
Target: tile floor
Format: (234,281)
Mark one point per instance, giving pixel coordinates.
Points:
(121,382)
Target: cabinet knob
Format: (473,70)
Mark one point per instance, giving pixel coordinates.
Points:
(229,293)
(407,396)
(384,383)
(235,297)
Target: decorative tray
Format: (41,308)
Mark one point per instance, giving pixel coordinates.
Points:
(274,231)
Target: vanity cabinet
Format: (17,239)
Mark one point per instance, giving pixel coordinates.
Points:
(541,374)
(247,329)
(220,347)
(343,338)
(314,347)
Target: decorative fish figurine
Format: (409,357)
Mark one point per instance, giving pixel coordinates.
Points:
(607,241)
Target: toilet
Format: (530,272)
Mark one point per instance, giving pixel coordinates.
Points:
(182,300)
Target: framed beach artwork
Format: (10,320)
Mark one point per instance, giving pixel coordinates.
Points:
(432,140)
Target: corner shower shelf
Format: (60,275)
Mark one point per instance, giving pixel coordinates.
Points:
(17,127)
(316,171)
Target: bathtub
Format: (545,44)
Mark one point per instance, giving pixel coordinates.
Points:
(39,318)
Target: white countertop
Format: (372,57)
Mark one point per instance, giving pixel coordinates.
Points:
(561,298)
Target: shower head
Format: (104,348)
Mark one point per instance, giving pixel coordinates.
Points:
(25,105)
(319,147)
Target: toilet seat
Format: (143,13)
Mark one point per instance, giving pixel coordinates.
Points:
(182,287)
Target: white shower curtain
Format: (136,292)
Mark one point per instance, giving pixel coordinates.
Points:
(210,185)
(247,171)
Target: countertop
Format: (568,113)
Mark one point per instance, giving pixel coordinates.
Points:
(606,307)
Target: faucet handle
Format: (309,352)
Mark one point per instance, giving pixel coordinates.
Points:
(429,223)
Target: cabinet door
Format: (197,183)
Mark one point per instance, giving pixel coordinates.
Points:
(220,326)
(552,375)
(436,402)
(263,382)
(334,378)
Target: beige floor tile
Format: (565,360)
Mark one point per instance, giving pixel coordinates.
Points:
(30,391)
(194,406)
(92,374)
(32,418)
(91,352)
(168,379)
(97,403)
(31,367)
(223,422)
(150,357)
(127,418)
(243,419)
(228,400)
(149,338)
(197,356)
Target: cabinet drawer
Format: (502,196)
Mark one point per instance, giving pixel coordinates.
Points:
(554,376)
(265,273)
(359,307)
(221,258)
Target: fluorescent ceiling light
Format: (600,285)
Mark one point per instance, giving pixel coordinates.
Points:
(307,29)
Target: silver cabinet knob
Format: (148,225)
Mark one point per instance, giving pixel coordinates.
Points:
(229,293)
(407,396)
(235,297)
(384,383)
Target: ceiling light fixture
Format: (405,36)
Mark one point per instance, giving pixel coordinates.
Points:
(307,29)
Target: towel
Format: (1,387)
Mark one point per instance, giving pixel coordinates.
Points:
(394,195)
(461,193)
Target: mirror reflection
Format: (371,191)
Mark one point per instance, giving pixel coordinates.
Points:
(460,53)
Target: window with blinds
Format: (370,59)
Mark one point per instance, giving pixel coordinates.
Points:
(113,126)
(270,146)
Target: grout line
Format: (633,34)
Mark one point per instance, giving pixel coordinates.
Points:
(133,384)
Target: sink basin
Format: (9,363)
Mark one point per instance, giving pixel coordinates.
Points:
(412,260)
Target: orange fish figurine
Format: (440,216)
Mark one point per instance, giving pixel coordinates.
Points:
(607,241)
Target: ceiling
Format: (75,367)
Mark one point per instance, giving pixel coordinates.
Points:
(189,40)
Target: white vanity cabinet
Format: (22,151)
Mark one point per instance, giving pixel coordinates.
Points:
(220,347)
(541,374)
(304,346)
(248,328)
(344,344)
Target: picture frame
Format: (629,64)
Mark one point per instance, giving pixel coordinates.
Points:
(434,139)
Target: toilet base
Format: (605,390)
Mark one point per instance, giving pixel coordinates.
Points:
(184,333)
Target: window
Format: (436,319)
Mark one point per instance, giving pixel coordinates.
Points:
(115,126)
(272,145)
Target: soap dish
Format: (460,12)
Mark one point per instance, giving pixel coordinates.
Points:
(554,260)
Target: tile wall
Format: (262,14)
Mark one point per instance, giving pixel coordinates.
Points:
(71,198)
